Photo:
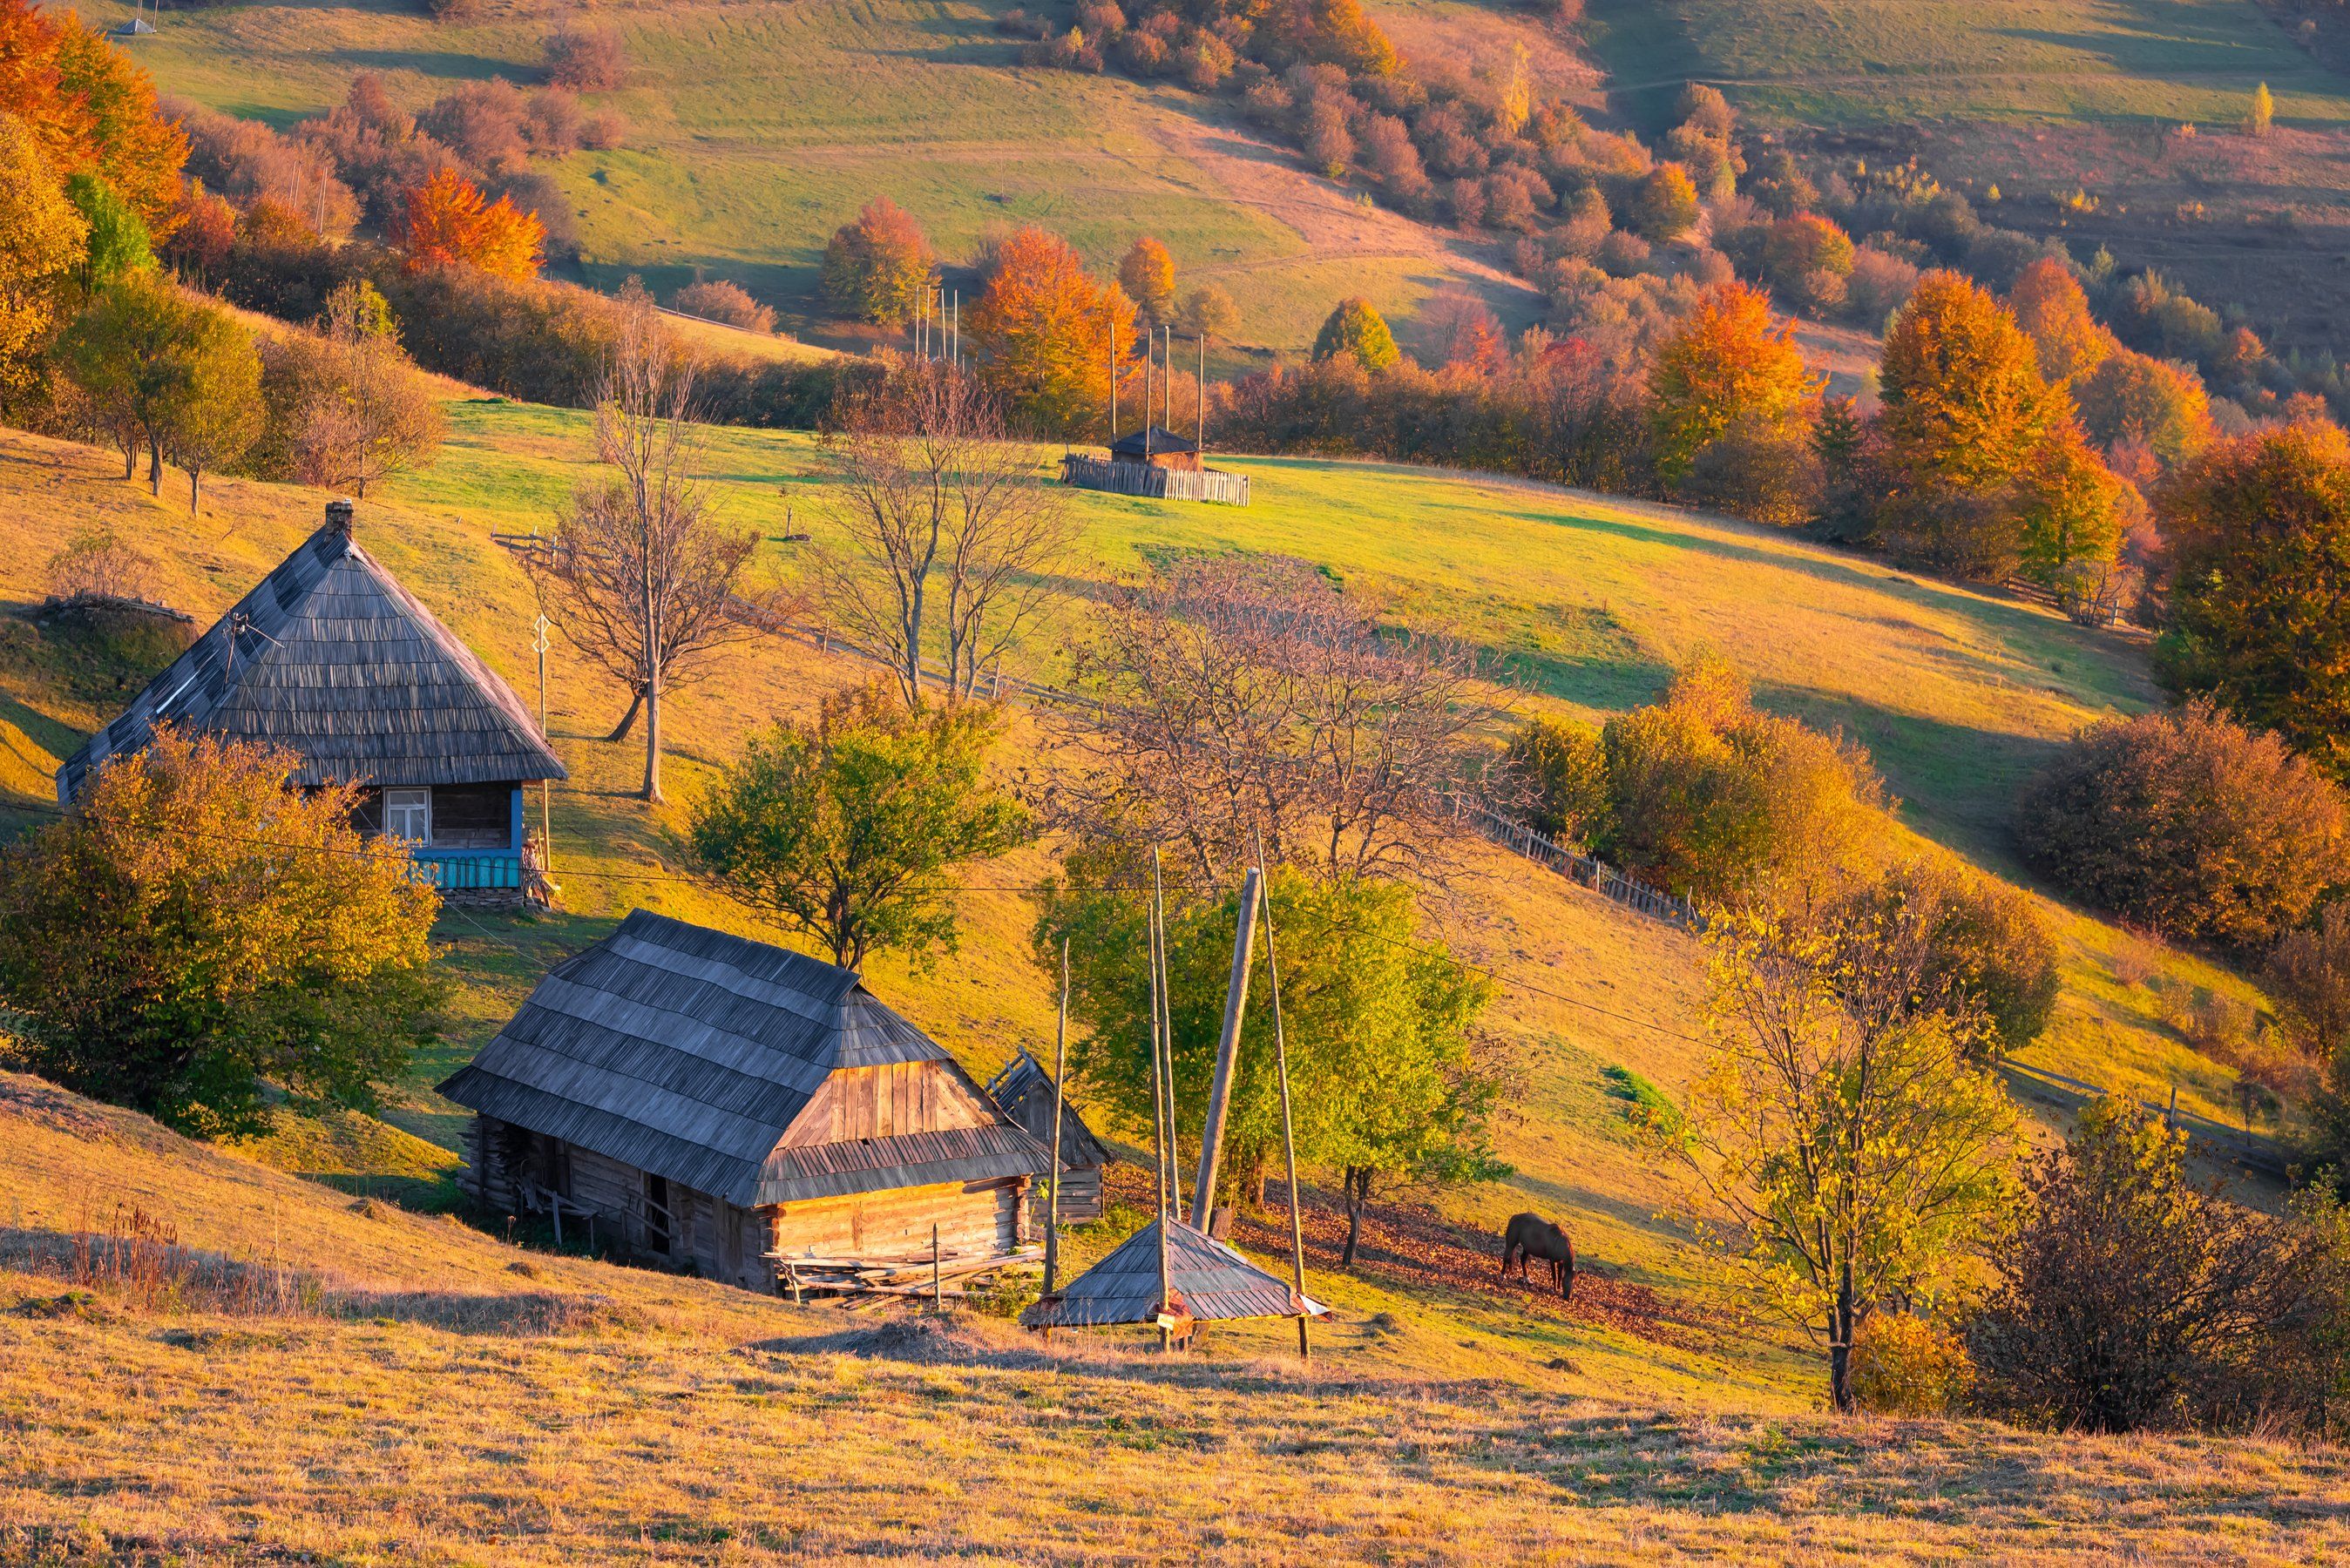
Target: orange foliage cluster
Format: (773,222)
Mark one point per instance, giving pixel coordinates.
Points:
(88,108)
(446,221)
(1052,334)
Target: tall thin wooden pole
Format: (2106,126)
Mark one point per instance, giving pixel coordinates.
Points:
(1146,394)
(1164,1113)
(546,787)
(1164,1015)
(1288,1127)
(1202,437)
(1112,342)
(1060,1065)
(1228,1048)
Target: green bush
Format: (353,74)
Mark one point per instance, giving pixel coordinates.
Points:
(1563,775)
(1719,802)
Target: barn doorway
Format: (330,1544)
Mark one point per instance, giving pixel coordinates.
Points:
(658,1228)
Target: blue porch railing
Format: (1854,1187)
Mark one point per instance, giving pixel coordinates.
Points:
(466,872)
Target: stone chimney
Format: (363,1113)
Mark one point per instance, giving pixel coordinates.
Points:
(338,516)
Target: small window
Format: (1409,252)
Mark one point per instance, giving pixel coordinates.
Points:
(408,814)
(657,1228)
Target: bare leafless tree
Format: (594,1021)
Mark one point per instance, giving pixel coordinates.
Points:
(950,529)
(1241,695)
(640,575)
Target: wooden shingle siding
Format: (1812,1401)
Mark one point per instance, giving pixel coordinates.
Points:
(330,656)
(882,1102)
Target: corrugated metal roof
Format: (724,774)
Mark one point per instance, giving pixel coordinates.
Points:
(1024,1091)
(689,1052)
(331,658)
(1207,1278)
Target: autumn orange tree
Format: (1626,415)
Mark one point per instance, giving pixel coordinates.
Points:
(1147,276)
(90,109)
(878,267)
(2054,311)
(1049,334)
(1728,364)
(447,222)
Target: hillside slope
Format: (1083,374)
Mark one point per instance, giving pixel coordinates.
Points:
(758,127)
(1587,603)
(296,1376)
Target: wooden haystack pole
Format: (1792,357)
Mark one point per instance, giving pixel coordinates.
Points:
(1171,1273)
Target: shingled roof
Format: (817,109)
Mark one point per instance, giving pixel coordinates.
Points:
(689,1052)
(1024,1091)
(1150,440)
(332,658)
(1205,1279)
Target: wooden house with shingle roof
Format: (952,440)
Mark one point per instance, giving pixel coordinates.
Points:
(332,658)
(1024,1091)
(726,1104)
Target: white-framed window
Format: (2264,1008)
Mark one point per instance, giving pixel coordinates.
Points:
(408,814)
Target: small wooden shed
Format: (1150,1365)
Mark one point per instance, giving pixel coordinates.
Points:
(1024,1091)
(727,1105)
(1158,446)
(333,658)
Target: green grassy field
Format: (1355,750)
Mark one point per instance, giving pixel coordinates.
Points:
(1869,62)
(1585,605)
(758,128)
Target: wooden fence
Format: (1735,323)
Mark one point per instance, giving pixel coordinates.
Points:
(1214,485)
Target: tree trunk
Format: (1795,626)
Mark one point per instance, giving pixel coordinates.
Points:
(653,738)
(129,459)
(191,492)
(628,720)
(1840,1327)
(154,470)
(1357,1185)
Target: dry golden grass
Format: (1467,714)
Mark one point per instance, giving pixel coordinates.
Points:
(671,1421)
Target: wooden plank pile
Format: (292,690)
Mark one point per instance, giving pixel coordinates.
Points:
(875,1283)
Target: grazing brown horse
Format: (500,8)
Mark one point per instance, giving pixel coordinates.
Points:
(1530,1236)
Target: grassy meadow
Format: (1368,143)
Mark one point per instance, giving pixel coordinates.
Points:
(1651,1413)
(757,128)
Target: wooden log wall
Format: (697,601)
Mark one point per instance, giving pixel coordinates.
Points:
(972,1218)
(1081,1199)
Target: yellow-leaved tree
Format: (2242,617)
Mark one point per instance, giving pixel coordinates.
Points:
(42,238)
(1842,1150)
(1050,335)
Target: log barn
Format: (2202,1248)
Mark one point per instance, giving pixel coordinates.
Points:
(726,1105)
(332,658)
(1024,1091)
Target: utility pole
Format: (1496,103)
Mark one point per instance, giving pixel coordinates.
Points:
(1212,1139)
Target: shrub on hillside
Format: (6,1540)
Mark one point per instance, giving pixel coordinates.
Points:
(728,302)
(525,337)
(262,945)
(1905,1365)
(1712,798)
(587,60)
(346,408)
(1558,771)
(2189,822)
(2128,1300)
(1356,331)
